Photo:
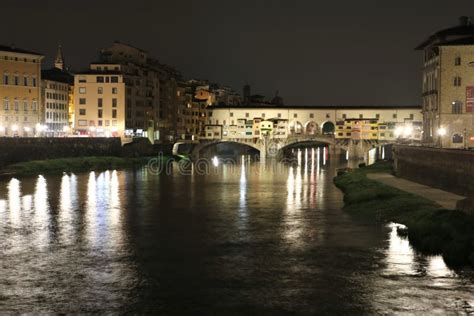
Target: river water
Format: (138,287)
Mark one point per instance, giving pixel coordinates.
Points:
(250,237)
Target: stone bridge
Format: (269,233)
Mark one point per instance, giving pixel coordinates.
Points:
(272,147)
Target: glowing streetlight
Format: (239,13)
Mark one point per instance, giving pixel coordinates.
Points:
(27,129)
(398,131)
(442,131)
(66,129)
(14,128)
(407,131)
(92,128)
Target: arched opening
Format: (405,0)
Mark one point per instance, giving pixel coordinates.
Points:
(311,128)
(328,128)
(227,149)
(295,127)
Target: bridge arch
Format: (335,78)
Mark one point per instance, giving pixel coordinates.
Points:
(328,128)
(199,148)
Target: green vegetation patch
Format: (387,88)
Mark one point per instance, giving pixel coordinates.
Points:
(431,230)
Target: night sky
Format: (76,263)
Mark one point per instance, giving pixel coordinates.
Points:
(313,52)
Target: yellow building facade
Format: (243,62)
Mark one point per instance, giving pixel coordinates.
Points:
(99,104)
(20,93)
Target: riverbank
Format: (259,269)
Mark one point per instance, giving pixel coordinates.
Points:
(79,164)
(431,230)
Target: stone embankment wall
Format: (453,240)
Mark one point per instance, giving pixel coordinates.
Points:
(449,169)
(20,149)
(13,150)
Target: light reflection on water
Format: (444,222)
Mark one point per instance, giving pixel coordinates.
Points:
(257,235)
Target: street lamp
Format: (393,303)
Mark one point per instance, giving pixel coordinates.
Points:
(441,133)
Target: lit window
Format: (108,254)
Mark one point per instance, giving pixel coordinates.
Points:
(114,90)
(82,90)
(100,90)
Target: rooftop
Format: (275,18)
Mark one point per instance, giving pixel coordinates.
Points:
(464,30)
(316,107)
(12,49)
(56,74)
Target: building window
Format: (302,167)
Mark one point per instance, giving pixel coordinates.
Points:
(263,115)
(99,122)
(457,61)
(5,78)
(82,101)
(100,90)
(344,116)
(457,107)
(394,115)
(114,79)
(114,90)
(25,105)
(25,80)
(82,122)
(311,115)
(82,111)
(247,115)
(457,81)
(114,102)
(377,116)
(82,90)
(99,113)
(99,102)
(34,105)
(231,114)
(6,104)
(17,80)
(295,115)
(279,115)
(361,115)
(328,115)
(458,139)
(16,105)
(99,79)
(82,79)
(412,116)
(114,113)
(33,81)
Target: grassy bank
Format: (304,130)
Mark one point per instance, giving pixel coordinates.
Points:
(430,230)
(73,165)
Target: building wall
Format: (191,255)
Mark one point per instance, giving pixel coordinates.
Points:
(55,96)
(456,123)
(86,100)
(299,120)
(20,101)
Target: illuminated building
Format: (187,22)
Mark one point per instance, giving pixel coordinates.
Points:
(20,93)
(448,86)
(99,99)
(56,87)
(349,122)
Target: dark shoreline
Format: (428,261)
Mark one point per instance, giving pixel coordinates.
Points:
(79,164)
(430,230)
